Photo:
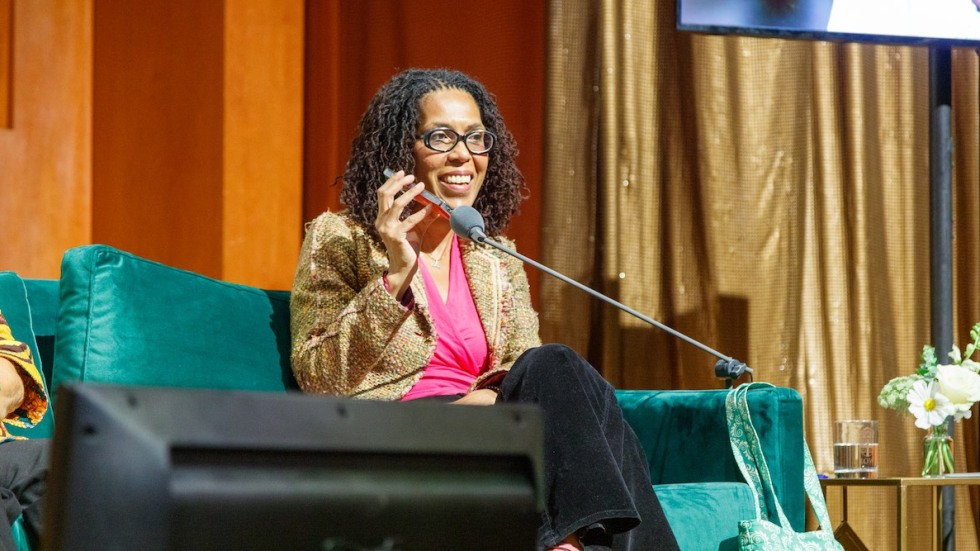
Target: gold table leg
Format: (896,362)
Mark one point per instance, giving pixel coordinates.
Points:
(903,518)
(844,534)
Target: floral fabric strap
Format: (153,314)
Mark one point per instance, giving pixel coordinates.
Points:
(761,533)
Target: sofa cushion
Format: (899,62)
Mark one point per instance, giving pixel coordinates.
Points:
(17,311)
(131,321)
(705,515)
(667,422)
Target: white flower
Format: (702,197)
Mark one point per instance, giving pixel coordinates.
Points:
(929,406)
(961,386)
(895,393)
(971,365)
(955,354)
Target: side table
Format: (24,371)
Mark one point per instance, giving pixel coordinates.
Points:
(901,486)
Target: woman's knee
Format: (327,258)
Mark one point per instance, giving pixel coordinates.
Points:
(558,360)
(551,356)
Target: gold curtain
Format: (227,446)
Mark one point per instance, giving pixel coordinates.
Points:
(768,197)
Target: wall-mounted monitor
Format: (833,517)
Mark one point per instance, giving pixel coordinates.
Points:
(947,22)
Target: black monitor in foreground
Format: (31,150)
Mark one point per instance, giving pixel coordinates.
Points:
(944,22)
(152,469)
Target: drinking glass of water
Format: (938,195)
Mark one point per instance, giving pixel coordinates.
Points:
(856,449)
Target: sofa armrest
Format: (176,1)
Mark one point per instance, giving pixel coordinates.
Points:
(684,434)
(705,515)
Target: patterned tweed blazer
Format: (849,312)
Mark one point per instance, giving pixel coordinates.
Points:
(350,337)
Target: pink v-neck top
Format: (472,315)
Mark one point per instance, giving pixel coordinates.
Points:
(461,353)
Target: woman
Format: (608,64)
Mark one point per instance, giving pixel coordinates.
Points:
(389,304)
(23,463)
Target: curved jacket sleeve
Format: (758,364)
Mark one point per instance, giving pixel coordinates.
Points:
(35,401)
(350,337)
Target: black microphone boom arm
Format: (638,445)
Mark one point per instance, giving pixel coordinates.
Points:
(726,367)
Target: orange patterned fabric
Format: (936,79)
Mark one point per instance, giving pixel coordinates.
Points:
(35,401)
(351,338)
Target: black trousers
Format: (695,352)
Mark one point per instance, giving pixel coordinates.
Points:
(597,481)
(23,470)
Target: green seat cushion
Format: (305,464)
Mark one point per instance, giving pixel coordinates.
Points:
(705,515)
(130,321)
(667,422)
(17,311)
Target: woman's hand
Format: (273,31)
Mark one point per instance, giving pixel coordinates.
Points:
(11,388)
(481,397)
(399,236)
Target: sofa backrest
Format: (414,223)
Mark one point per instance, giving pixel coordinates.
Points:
(42,295)
(17,311)
(130,321)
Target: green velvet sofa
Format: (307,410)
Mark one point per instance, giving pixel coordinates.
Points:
(115,318)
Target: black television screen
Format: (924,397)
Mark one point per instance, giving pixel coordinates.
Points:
(952,22)
(154,469)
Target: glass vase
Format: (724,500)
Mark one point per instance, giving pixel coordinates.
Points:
(938,452)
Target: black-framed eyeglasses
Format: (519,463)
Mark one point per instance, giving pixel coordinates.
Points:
(444,140)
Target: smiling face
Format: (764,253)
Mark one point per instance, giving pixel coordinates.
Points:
(457,175)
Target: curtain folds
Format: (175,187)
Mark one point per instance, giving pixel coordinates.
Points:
(769,198)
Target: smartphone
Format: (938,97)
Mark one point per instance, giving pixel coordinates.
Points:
(441,207)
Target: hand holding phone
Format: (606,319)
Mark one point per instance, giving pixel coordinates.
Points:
(425,198)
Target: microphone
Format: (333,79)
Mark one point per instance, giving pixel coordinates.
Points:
(467,222)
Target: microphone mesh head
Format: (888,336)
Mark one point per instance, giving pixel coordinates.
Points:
(467,222)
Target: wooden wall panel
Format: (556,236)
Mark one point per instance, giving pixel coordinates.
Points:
(6,48)
(46,153)
(263,141)
(198,134)
(157,130)
(354,47)
(327,129)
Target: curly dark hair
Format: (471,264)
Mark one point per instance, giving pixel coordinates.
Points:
(387,135)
